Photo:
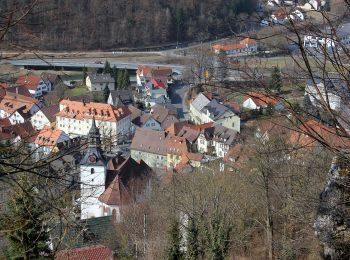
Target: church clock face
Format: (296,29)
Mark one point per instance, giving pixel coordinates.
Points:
(92,158)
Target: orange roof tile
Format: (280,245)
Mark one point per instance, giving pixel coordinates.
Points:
(100,111)
(29,81)
(234,46)
(48,137)
(12,102)
(260,99)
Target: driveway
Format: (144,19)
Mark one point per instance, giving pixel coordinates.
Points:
(178,94)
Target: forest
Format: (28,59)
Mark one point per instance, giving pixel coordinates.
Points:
(108,25)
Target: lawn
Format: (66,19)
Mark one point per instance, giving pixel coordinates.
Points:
(77,91)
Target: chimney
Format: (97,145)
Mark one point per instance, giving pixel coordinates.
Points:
(84,102)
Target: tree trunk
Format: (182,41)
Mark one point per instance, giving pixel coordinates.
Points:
(269,222)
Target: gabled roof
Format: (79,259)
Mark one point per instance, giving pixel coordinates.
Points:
(124,96)
(215,109)
(260,99)
(141,120)
(24,130)
(157,83)
(200,101)
(50,112)
(12,102)
(164,112)
(21,90)
(129,182)
(189,134)
(100,78)
(98,252)
(31,82)
(220,134)
(154,72)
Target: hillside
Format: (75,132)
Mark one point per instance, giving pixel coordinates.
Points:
(108,24)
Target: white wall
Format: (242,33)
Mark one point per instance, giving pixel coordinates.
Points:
(92,186)
(39,120)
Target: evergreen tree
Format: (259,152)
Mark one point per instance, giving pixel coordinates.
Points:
(114,75)
(192,241)
(218,234)
(275,82)
(106,93)
(84,75)
(24,226)
(107,67)
(174,242)
(120,79)
(126,79)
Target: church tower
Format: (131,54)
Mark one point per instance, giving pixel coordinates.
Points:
(92,175)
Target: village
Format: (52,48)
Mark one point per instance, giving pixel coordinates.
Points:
(120,129)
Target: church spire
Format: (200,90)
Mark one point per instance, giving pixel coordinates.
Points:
(94,136)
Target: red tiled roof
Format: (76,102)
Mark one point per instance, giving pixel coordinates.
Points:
(29,81)
(158,83)
(260,99)
(98,252)
(48,137)
(100,111)
(12,102)
(235,46)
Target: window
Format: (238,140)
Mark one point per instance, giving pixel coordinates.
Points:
(202,141)
(92,170)
(233,124)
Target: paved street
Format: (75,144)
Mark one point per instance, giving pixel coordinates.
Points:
(178,99)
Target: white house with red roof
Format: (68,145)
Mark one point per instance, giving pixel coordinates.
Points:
(18,108)
(47,140)
(256,101)
(36,85)
(75,118)
(246,46)
(146,73)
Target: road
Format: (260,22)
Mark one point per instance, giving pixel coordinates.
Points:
(178,100)
(84,62)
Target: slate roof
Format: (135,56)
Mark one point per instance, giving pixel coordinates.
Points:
(215,109)
(220,134)
(200,101)
(125,97)
(101,78)
(135,112)
(165,114)
(98,252)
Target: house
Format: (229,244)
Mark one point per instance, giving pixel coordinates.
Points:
(19,90)
(97,82)
(108,184)
(146,73)
(203,110)
(216,140)
(47,141)
(165,114)
(45,117)
(162,150)
(98,252)
(14,134)
(246,46)
(36,85)
(256,101)
(75,118)
(18,108)
(156,92)
(332,91)
(146,121)
(52,79)
(279,16)
(121,97)
(196,107)
(150,147)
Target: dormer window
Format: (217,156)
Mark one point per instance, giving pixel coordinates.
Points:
(92,170)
